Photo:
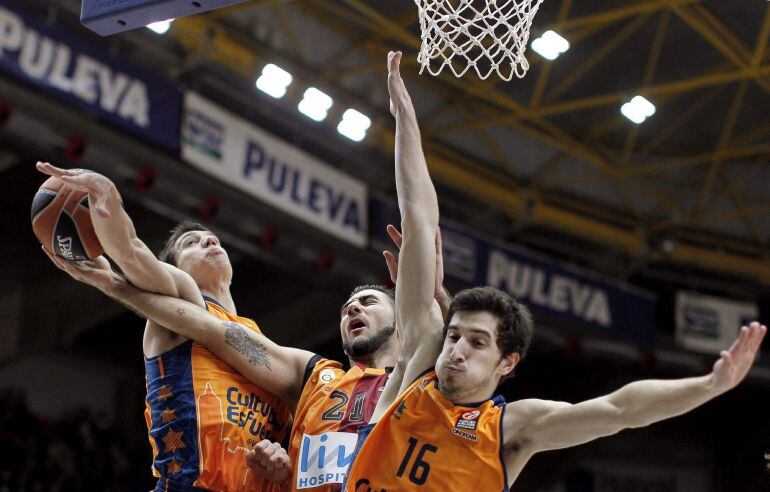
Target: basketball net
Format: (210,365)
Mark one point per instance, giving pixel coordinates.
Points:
(489,36)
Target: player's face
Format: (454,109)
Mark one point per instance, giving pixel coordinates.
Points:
(470,366)
(366,322)
(200,254)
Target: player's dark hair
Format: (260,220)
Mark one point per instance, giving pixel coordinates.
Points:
(167,253)
(378,287)
(514,326)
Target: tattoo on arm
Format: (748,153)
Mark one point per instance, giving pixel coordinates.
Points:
(237,337)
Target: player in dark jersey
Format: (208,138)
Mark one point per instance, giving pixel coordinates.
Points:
(440,429)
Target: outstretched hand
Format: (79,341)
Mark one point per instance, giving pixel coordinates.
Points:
(97,273)
(399,97)
(97,186)
(270,461)
(734,364)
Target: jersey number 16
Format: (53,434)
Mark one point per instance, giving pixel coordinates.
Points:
(418,474)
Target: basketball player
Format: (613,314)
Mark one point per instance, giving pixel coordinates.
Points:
(329,403)
(202,415)
(440,429)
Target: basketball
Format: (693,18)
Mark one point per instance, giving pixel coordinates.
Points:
(62,223)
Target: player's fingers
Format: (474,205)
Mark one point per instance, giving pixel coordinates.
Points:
(80,183)
(760,332)
(727,357)
(272,448)
(263,459)
(392,263)
(282,459)
(395,235)
(261,446)
(740,340)
(396,61)
(101,263)
(49,169)
(275,460)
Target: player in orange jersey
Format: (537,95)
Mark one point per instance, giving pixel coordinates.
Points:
(328,402)
(439,430)
(202,415)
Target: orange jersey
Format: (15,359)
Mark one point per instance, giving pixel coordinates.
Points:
(333,405)
(203,416)
(426,442)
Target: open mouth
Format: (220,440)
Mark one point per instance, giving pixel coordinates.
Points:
(356,324)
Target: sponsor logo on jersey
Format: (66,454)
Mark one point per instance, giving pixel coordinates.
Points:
(466,435)
(468,420)
(324,458)
(327,375)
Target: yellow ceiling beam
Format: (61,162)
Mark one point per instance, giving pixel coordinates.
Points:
(196,36)
(629,9)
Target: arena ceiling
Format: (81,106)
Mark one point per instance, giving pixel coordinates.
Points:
(550,152)
(553,148)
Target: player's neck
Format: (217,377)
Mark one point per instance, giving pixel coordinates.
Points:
(469,395)
(221,293)
(385,356)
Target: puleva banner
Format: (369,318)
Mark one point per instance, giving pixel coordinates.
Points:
(238,153)
(560,290)
(87,77)
(710,324)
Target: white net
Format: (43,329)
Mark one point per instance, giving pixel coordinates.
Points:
(489,36)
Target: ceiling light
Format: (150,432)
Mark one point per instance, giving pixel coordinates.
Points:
(638,109)
(315,104)
(550,45)
(274,81)
(354,125)
(160,27)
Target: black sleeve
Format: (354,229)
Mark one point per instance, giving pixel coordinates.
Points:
(309,368)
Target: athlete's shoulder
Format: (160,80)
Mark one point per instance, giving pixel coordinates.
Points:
(218,310)
(320,372)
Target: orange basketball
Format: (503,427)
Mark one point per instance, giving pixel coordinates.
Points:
(62,223)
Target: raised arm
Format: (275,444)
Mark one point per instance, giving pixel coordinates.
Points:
(279,370)
(418,204)
(542,425)
(117,235)
(418,316)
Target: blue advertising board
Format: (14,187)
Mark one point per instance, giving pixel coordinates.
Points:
(87,77)
(562,291)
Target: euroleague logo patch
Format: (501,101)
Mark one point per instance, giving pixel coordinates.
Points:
(326,375)
(468,420)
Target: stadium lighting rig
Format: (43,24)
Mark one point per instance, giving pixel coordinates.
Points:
(274,81)
(354,125)
(550,45)
(638,109)
(315,104)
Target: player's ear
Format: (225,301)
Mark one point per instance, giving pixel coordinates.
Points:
(508,364)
